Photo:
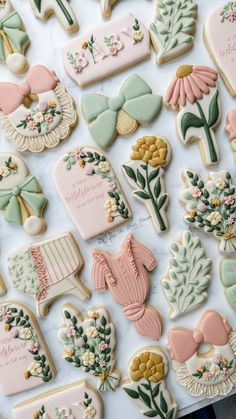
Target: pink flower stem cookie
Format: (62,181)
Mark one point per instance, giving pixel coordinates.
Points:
(194,93)
(212,372)
(126,276)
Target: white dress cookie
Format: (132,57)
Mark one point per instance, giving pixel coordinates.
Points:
(21,196)
(43,9)
(172,32)
(13,38)
(44,125)
(47,270)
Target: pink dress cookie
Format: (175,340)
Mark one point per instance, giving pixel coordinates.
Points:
(126,275)
(204,359)
(44,125)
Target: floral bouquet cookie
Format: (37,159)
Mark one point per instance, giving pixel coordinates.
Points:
(146,385)
(211,206)
(44,125)
(211,369)
(24,353)
(89,343)
(21,196)
(145,173)
(194,94)
(13,38)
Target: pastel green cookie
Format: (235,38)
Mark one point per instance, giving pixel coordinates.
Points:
(228,278)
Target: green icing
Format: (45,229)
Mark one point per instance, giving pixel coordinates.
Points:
(14,30)
(228,278)
(23,272)
(225,13)
(135,98)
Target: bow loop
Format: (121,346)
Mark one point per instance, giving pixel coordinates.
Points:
(13,28)
(134,86)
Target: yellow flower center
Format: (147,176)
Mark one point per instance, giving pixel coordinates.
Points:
(184,71)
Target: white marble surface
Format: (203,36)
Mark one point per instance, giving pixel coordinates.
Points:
(47,40)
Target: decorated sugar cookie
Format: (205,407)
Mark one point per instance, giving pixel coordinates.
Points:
(231,129)
(43,9)
(194,93)
(228,278)
(105,50)
(88,186)
(204,358)
(210,205)
(13,39)
(126,276)
(107,117)
(36,126)
(21,196)
(3,288)
(24,354)
(146,384)
(79,400)
(219,37)
(186,283)
(47,270)
(89,343)
(145,174)
(172,32)
(106,7)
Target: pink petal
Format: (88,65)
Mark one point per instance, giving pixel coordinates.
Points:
(206,80)
(197,68)
(182,93)
(176,93)
(203,86)
(188,90)
(196,91)
(170,90)
(211,76)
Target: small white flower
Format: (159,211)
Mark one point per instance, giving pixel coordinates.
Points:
(25,333)
(92,331)
(4,172)
(35,368)
(90,412)
(88,358)
(137,35)
(104,166)
(38,117)
(214,218)
(215,369)
(111,206)
(220,183)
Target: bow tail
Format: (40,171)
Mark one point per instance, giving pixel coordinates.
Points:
(144,108)
(13,211)
(36,201)
(17,37)
(103,129)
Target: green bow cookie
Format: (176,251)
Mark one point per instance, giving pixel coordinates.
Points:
(13,28)
(30,191)
(135,99)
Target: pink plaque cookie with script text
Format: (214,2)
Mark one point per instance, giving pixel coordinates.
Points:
(219,36)
(75,401)
(90,190)
(106,50)
(25,362)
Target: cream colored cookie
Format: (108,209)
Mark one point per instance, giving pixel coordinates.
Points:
(3,288)
(106,7)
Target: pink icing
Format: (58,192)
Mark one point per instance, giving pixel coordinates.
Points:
(41,271)
(126,275)
(213,329)
(39,80)
(231,124)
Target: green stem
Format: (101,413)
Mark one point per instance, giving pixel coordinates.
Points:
(154,403)
(65,11)
(210,143)
(157,212)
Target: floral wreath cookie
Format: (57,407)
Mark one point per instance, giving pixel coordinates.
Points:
(228,278)
(145,173)
(219,37)
(44,125)
(106,7)
(13,38)
(43,9)
(186,283)
(211,206)
(79,400)
(21,196)
(126,276)
(106,50)
(194,93)
(89,343)
(87,184)
(47,270)
(146,385)
(107,117)
(211,373)
(231,129)
(172,32)
(24,354)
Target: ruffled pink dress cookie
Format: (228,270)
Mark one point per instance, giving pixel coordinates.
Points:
(204,359)
(194,93)
(34,128)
